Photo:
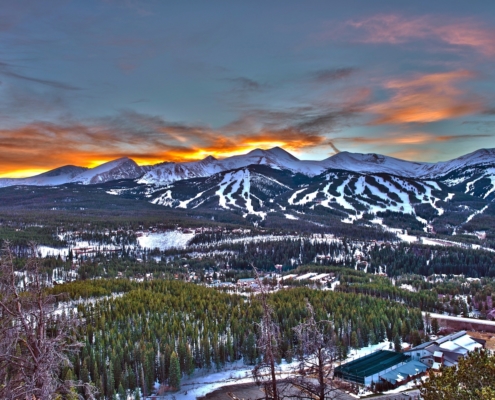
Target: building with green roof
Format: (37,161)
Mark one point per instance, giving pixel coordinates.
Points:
(368,369)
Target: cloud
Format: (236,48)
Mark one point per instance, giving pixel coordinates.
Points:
(414,146)
(409,139)
(6,70)
(481,126)
(328,120)
(390,28)
(397,29)
(414,154)
(426,98)
(246,84)
(330,75)
(150,139)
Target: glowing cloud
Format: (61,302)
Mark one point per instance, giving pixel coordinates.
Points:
(414,154)
(409,138)
(426,98)
(396,29)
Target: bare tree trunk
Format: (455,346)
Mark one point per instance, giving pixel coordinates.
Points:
(145,392)
(317,352)
(268,343)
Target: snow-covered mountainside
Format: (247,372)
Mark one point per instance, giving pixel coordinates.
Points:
(480,157)
(122,168)
(376,163)
(257,191)
(55,177)
(247,190)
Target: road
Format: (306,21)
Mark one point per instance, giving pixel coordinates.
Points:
(461,319)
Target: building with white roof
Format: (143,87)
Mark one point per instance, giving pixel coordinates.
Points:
(445,351)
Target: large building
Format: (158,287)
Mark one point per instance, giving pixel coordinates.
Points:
(446,350)
(368,369)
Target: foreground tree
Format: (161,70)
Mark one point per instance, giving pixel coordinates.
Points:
(316,352)
(34,343)
(472,379)
(264,372)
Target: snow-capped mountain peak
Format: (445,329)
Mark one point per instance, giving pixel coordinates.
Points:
(54,177)
(122,168)
(209,159)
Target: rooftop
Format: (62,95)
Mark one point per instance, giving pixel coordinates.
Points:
(370,364)
(412,368)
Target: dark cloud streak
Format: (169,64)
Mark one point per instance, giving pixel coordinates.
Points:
(55,84)
(331,75)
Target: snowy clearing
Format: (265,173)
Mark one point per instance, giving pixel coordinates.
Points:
(165,240)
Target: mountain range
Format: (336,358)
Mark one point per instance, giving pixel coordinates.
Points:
(274,185)
(276,158)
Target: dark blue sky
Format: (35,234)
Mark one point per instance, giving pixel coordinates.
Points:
(83,82)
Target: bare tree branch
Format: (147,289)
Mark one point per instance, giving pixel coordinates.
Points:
(35,343)
(264,372)
(316,352)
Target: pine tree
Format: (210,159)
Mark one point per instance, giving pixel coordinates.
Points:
(175,375)
(250,349)
(189,361)
(415,338)
(354,340)
(474,378)
(397,344)
(122,393)
(435,326)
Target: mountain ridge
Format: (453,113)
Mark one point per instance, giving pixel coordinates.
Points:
(166,173)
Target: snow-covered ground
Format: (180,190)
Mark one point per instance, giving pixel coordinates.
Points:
(203,382)
(165,240)
(63,252)
(443,242)
(52,251)
(357,353)
(162,240)
(409,288)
